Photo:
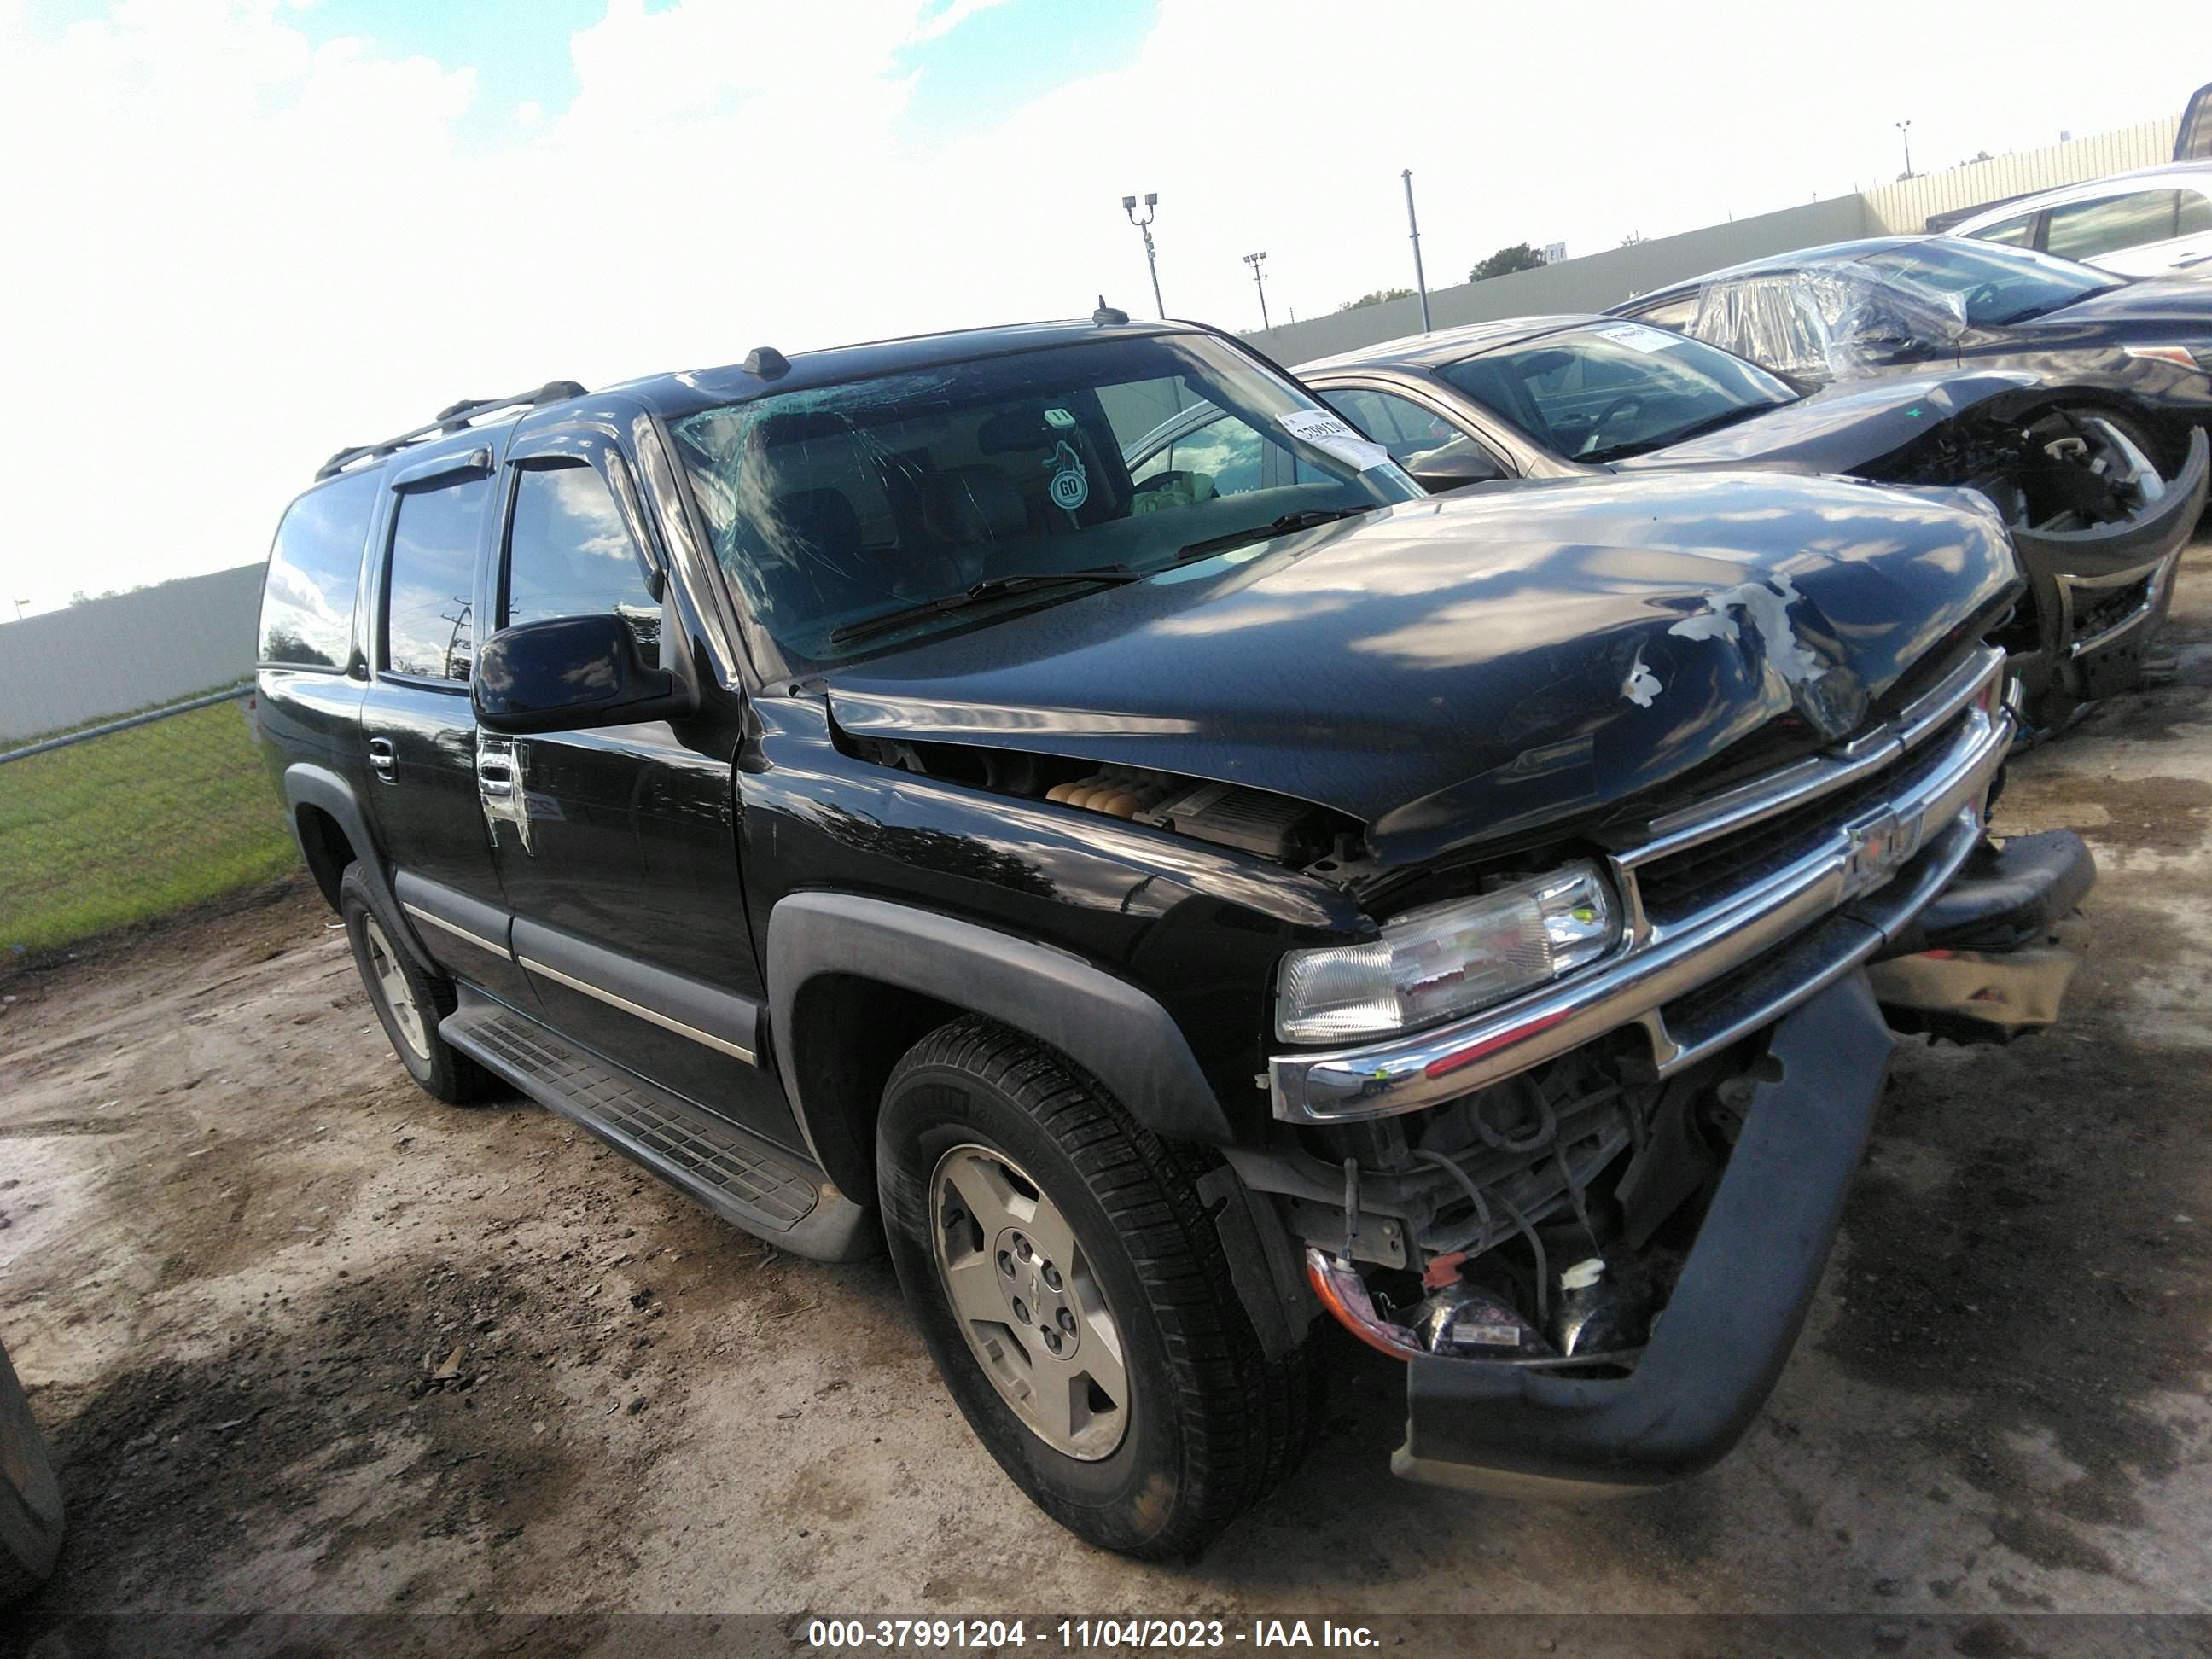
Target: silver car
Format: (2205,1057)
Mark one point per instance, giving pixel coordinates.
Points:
(2156,222)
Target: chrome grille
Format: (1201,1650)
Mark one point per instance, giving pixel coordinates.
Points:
(1759,897)
(1678,885)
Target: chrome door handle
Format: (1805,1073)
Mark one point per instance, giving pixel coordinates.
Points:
(494,777)
(381,759)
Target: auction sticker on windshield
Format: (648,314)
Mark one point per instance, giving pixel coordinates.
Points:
(1637,337)
(1325,432)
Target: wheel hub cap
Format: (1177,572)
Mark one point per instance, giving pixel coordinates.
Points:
(1022,1289)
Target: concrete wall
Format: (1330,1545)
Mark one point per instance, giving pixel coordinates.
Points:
(1600,280)
(1591,283)
(112,656)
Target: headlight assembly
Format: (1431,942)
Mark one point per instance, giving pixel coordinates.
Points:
(1447,959)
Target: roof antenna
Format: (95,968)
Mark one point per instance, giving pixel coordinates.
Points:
(1106,315)
(767,363)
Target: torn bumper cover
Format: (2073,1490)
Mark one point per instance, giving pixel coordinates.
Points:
(1734,1316)
(1736,1310)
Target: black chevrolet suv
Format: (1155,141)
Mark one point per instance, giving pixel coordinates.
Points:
(1167,891)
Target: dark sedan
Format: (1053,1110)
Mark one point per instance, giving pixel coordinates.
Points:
(1907,304)
(2099,522)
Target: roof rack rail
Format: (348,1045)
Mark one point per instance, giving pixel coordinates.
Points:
(449,419)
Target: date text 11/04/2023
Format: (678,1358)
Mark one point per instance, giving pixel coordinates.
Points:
(1075,1635)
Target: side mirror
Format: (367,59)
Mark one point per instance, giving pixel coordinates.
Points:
(1451,469)
(568,673)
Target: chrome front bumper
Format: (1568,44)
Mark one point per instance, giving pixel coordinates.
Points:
(1698,982)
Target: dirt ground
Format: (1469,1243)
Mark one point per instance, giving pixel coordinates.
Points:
(305,1339)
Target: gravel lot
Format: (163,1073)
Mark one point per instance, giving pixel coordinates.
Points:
(305,1339)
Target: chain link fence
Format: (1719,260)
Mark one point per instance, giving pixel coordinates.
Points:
(131,818)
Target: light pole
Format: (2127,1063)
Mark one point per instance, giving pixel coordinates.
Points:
(1151,258)
(1904,132)
(1259,281)
(1414,226)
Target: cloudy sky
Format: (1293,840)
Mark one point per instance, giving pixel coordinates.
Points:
(241,235)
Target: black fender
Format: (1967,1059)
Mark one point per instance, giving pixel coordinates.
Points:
(1106,1025)
(308,785)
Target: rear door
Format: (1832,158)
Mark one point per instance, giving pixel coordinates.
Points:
(418,733)
(2137,233)
(617,848)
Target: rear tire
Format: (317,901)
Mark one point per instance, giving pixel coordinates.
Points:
(1125,1292)
(30,1497)
(409,1001)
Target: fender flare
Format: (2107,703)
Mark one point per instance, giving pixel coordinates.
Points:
(1108,1027)
(306,784)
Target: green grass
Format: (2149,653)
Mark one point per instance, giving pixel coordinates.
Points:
(122,828)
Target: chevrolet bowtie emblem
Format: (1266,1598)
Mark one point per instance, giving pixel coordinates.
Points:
(1880,843)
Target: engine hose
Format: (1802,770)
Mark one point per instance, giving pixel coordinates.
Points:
(1575,1196)
(1474,1192)
(1547,1126)
(1543,1266)
(1482,1214)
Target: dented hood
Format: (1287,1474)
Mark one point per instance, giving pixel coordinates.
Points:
(1476,665)
(1846,426)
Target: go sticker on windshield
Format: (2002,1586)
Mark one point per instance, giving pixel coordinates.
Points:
(1060,418)
(1071,485)
(1637,337)
(1325,432)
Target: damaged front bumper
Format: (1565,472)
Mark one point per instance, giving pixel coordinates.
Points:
(1730,1323)
(1736,1310)
(2099,593)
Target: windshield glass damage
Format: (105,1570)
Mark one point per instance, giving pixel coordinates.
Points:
(853,516)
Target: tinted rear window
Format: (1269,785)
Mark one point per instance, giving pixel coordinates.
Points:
(306,604)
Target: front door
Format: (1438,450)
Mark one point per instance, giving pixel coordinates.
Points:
(617,846)
(416,720)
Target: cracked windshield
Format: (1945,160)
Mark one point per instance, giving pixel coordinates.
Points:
(854,516)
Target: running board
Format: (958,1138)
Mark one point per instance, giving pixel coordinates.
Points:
(733,1172)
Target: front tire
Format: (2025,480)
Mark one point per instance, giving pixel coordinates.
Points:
(1071,1288)
(409,1001)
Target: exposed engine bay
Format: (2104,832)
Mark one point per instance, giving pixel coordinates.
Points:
(2052,471)
(1279,827)
(1541,1222)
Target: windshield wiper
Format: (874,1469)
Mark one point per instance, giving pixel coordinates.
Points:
(1726,417)
(990,588)
(1282,526)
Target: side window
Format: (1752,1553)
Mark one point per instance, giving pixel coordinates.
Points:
(2018,231)
(2193,217)
(1222,457)
(306,601)
(1406,428)
(568,554)
(2082,230)
(428,628)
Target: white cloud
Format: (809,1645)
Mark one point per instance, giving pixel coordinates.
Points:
(233,251)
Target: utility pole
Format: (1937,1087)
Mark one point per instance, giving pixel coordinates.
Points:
(1905,130)
(1414,224)
(1151,258)
(1259,280)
